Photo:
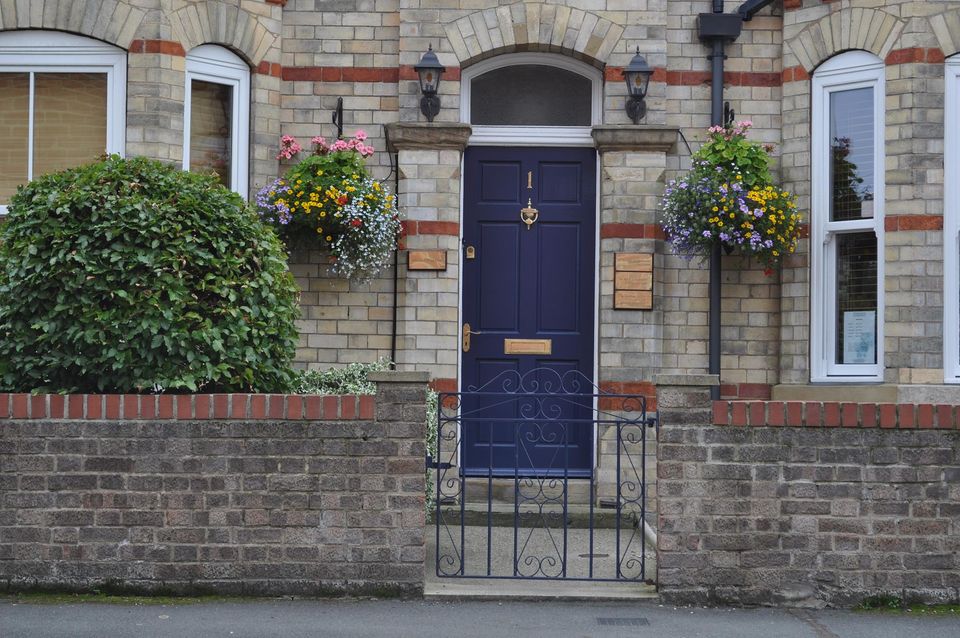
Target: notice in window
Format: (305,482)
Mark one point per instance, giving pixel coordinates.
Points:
(860,337)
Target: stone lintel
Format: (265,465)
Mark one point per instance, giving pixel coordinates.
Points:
(630,137)
(427,135)
(687,380)
(398,376)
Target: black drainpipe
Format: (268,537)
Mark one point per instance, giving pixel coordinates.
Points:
(396,266)
(716,29)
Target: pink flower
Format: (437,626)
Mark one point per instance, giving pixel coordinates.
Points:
(289,147)
(319,141)
(339,145)
(353,143)
(360,135)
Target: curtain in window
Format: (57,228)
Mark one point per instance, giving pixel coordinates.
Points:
(211,141)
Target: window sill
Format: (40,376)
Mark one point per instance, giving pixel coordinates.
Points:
(861,392)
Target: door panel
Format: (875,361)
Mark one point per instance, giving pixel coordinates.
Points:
(535,283)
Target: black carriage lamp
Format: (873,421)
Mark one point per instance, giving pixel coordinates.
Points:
(429,70)
(637,75)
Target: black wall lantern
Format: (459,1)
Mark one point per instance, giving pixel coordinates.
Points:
(429,70)
(637,74)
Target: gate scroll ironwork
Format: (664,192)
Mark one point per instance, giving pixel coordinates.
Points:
(535,520)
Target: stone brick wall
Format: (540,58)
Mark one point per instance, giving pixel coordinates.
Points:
(237,494)
(828,513)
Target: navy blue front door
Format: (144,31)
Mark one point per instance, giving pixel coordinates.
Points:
(524,290)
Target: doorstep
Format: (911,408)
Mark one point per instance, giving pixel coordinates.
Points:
(504,589)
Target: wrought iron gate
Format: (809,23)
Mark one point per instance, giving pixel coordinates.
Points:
(536,519)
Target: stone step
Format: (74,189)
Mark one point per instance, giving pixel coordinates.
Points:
(530,515)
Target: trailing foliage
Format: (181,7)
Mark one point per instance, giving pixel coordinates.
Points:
(130,275)
(728,198)
(350,379)
(329,199)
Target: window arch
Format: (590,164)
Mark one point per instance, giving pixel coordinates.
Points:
(951,222)
(527,98)
(846,239)
(62,103)
(216,115)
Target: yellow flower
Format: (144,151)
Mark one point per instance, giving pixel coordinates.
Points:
(329,238)
(715,209)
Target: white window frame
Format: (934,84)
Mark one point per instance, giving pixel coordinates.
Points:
(55,52)
(215,64)
(951,222)
(850,70)
(487,135)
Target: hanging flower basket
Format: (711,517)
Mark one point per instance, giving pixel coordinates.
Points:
(328,199)
(728,198)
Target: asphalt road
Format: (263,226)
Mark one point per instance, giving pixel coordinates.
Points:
(368,618)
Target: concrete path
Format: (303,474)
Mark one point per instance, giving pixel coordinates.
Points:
(373,619)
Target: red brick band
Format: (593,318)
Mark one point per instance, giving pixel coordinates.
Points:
(270,68)
(794,74)
(745,390)
(631,231)
(185,407)
(646,389)
(414,227)
(833,414)
(896,223)
(166,47)
(340,74)
(408,73)
(914,55)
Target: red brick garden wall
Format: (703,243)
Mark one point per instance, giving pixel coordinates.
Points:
(239,494)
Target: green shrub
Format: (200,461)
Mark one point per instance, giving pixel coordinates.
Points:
(131,275)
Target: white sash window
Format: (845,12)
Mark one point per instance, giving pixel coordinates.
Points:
(216,117)
(62,103)
(846,238)
(951,223)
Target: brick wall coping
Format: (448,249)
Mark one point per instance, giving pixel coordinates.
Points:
(186,407)
(829,414)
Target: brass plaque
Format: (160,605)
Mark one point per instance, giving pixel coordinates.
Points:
(633,300)
(636,262)
(527,346)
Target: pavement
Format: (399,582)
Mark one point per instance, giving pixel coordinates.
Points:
(395,618)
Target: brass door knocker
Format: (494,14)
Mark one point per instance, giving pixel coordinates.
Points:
(529,214)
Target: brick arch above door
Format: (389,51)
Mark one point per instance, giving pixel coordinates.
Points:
(529,26)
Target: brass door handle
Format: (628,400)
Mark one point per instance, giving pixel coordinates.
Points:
(466,336)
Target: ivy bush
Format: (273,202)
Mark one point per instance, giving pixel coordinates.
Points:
(128,275)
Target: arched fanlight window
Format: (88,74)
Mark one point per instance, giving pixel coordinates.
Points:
(521,98)
(530,95)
